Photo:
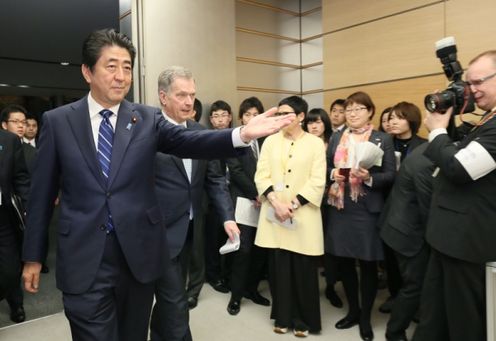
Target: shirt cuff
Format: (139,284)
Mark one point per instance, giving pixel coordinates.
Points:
(229,221)
(439,131)
(236,139)
(368,182)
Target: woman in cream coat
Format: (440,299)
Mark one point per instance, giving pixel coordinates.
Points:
(291,176)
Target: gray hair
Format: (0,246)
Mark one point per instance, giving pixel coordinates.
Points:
(168,76)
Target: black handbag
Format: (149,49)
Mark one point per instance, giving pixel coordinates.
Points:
(19,213)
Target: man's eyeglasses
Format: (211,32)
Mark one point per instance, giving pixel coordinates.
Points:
(223,115)
(477,82)
(17,122)
(282,113)
(355,110)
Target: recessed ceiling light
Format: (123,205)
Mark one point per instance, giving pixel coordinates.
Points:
(64,63)
(23,86)
(3,84)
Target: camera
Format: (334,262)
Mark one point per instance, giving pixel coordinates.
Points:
(458,94)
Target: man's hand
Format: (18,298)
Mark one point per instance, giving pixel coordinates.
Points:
(265,124)
(231,228)
(361,173)
(31,276)
(435,120)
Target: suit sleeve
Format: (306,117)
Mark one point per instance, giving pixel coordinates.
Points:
(218,192)
(385,176)
(456,162)
(20,174)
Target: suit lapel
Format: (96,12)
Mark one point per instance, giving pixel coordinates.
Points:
(81,129)
(127,119)
(180,165)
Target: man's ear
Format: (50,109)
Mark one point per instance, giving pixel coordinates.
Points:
(4,125)
(86,71)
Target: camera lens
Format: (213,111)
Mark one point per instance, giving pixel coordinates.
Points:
(439,102)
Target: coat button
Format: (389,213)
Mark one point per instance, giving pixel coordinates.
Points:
(287,186)
(102,227)
(107,194)
(289,170)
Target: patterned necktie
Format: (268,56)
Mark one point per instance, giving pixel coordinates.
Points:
(104,153)
(254,149)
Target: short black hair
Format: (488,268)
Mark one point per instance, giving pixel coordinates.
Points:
(198,108)
(339,101)
(298,104)
(313,115)
(248,103)
(97,40)
(9,109)
(220,105)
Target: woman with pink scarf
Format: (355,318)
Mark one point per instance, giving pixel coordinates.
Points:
(356,198)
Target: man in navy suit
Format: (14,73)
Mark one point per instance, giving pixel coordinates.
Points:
(112,242)
(180,185)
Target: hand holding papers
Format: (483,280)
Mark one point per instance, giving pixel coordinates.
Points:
(230,246)
(246,212)
(288,223)
(367,155)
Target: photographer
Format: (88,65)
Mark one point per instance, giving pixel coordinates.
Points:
(461,227)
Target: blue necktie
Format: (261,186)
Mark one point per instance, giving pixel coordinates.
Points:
(104,153)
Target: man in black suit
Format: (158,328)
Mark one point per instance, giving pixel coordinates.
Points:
(14,178)
(247,264)
(180,185)
(403,230)
(461,227)
(14,120)
(112,242)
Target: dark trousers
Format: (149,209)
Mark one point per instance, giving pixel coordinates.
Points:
(368,286)
(247,264)
(192,258)
(452,306)
(407,301)
(215,237)
(170,316)
(294,287)
(331,269)
(394,281)
(116,307)
(10,261)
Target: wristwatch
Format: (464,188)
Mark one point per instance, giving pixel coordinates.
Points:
(294,205)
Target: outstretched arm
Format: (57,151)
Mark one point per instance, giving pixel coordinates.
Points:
(265,124)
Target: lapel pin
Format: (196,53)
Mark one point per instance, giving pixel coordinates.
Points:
(130,124)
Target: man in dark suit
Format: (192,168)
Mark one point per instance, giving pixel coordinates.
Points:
(461,227)
(112,242)
(403,225)
(180,185)
(14,120)
(14,178)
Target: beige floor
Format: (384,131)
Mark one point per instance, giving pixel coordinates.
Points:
(211,322)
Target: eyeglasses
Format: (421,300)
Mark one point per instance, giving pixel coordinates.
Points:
(223,115)
(282,113)
(479,81)
(23,122)
(355,110)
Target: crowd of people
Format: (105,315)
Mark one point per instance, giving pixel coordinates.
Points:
(407,211)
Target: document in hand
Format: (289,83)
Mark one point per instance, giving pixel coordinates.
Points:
(288,223)
(367,155)
(230,246)
(246,213)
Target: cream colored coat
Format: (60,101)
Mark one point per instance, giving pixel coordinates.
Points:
(291,168)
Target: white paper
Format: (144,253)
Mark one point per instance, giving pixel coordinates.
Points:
(368,155)
(288,223)
(246,213)
(230,246)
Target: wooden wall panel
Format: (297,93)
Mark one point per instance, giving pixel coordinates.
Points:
(337,14)
(394,48)
(267,76)
(473,25)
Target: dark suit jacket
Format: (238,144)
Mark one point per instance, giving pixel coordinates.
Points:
(463,211)
(175,193)
(14,177)
(69,162)
(241,175)
(30,156)
(404,222)
(382,176)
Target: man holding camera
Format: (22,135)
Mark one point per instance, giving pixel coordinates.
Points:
(461,227)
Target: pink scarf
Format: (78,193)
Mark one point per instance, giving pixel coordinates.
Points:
(336,191)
